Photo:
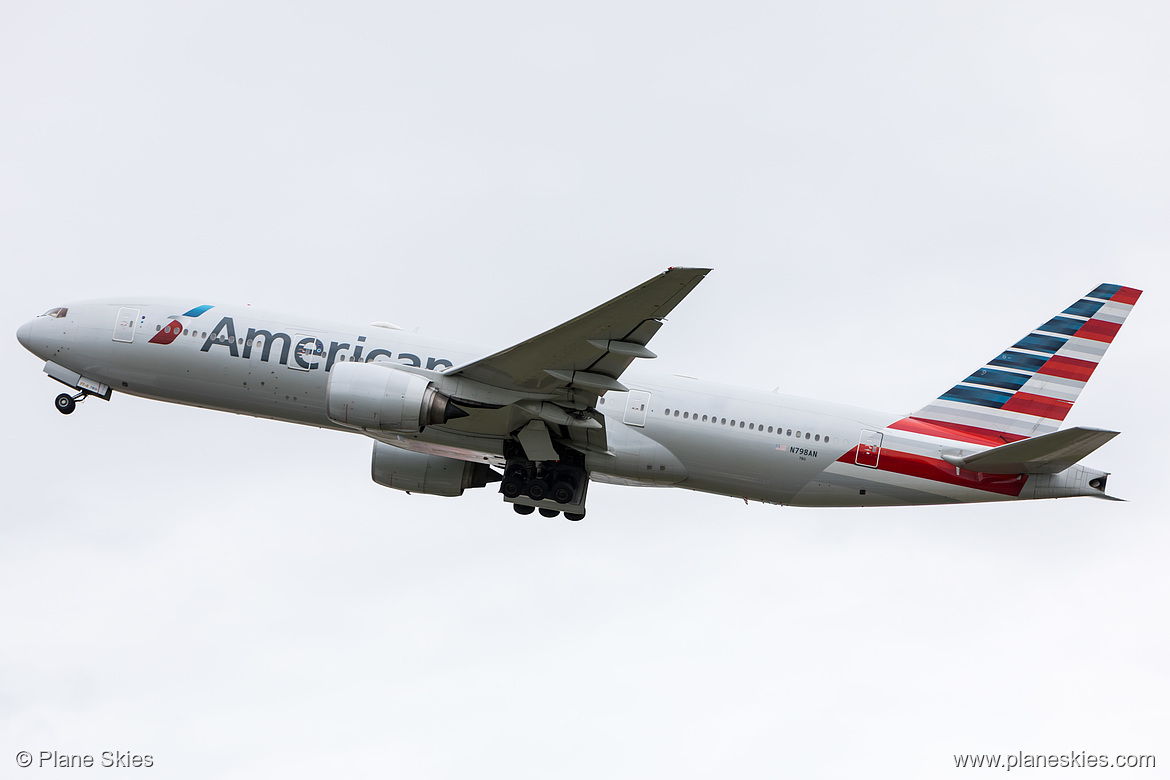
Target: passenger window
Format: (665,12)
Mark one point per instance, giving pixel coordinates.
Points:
(818,437)
(704,418)
(668,411)
(798,434)
(769,429)
(741,423)
(676,412)
(752,427)
(686,415)
(807,435)
(184,331)
(723,421)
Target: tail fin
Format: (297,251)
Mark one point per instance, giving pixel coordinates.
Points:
(1028,389)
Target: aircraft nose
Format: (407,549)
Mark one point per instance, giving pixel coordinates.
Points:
(24,335)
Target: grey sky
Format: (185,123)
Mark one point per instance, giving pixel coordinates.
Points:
(888,198)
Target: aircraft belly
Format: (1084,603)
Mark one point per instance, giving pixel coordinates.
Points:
(847,484)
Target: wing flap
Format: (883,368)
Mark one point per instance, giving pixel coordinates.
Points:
(1047,454)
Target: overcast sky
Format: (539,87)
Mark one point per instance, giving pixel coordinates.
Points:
(888,198)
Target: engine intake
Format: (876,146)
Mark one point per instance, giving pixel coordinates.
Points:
(435,475)
(379,397)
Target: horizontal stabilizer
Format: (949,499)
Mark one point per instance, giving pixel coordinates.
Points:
(1051,453)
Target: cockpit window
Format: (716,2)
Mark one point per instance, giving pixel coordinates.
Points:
(56,313)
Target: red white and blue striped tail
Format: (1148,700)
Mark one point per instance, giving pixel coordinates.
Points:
(1029,389)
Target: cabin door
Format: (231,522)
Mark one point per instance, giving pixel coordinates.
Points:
(124,325)
(869,449)
(636,404)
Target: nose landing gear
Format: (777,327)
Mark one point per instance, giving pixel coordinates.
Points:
(86,386)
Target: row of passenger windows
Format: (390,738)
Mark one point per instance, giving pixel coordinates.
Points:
(749,426)
(198,335)
(168,329)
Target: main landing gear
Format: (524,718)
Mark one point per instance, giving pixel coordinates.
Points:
(552,486)
(66,403)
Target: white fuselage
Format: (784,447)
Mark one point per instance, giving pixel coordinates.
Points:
(664,431)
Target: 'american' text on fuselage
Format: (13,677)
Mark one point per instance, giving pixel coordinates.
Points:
(306,349)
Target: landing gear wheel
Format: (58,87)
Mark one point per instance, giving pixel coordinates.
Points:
(574,516)
(521,509)
(538,490)
(66,404)
(562,492)
(549,512)
(512,487)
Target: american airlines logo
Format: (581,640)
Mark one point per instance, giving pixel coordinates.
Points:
(308,352)
(172,330)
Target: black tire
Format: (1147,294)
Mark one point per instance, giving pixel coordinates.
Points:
(523,509)
(66,404)
(538,489)
(548,512)
(562,492)
(512,487)
(574,516)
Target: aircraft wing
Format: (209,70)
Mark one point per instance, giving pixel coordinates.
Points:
(545,389)
(591,351)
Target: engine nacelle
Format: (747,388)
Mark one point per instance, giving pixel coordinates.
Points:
(419,472)
(380,397)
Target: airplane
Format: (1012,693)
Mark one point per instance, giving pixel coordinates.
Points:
(548,416)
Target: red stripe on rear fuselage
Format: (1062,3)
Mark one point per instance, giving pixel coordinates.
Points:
(937,470)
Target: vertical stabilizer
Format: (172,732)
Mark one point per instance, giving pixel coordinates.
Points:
(1028,389)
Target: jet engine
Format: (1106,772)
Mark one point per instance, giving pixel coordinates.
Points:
(380,397)
(419,472)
